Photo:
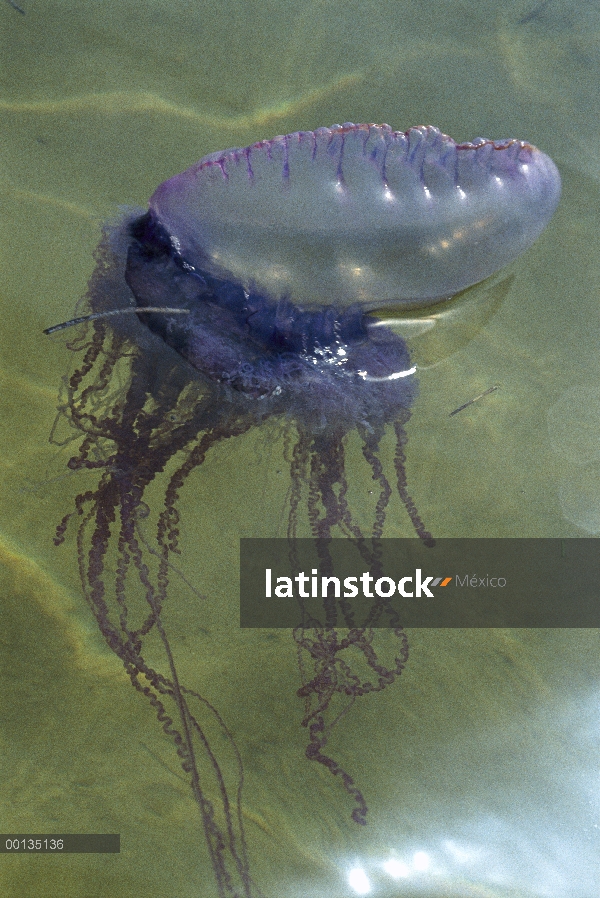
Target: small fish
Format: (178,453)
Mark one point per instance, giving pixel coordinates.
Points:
(471,401)
(535,13)
(16,6)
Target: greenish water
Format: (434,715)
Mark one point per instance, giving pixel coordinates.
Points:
(480,765)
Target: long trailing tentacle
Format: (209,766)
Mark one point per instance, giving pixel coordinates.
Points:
(328,675)
(400,465)
(371,440)
(131,442)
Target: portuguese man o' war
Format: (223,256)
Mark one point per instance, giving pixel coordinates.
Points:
(247,284)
